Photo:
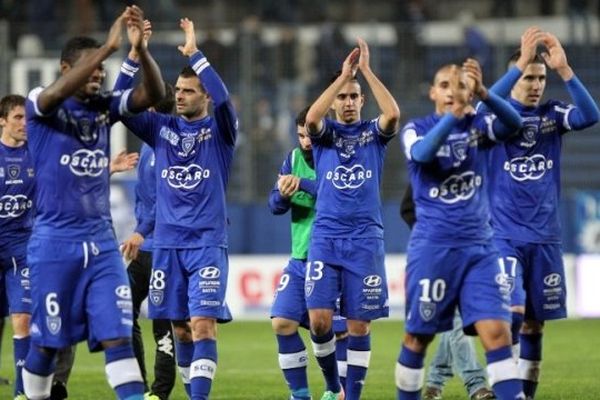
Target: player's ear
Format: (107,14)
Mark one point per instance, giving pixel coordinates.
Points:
(64,67)
(432,93)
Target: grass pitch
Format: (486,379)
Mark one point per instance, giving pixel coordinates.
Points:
(248,365)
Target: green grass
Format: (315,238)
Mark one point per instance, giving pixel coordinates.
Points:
(248,365)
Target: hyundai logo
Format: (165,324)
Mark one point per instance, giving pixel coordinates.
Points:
(123,292)
(210,272)
(372,280)
(552,280)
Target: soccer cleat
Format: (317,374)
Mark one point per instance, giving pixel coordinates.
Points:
(329,395)
(483,394)
(432,393)
(21,397)
(59,391)
(151,396)
(301,394)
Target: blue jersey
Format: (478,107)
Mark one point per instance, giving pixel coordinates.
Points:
(16,195)
(70,152)
(193,161)
(145,196)
(525,175)
(450,199)
(349,163)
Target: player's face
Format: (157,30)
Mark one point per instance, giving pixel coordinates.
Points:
(348,103)
(95,80)
(303,138)
(14,124)
(449,86)
(191,101)
(529,89)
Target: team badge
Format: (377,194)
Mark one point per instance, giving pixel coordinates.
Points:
(187,144)
(427,310)
(459,149)
(54,324)
(309,287)
(156,297)
(13,171)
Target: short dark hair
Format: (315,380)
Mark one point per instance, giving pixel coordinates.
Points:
(517,54)
(72,49)
(188,72)
(167,103)
(9,102)
(301,117)
(336,75)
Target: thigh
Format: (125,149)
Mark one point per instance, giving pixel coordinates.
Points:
(139,271)
(322,286)
(207,269)
(484,293)
(545,283)
(364,283)
(16,281)
(168,288)
(511,260)
(433,280)
(289,296)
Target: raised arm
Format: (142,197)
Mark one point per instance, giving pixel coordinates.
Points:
(390,113)
(74,76)
(152,88)
(586,112)
(131,65)
(319,109)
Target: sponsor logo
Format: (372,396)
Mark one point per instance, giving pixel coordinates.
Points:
(457,188)
(372,281)
(180,177)
(169,136)
(86,162)
(349,178)
(165,344)
(123,292)
(210,272)
(528,168)
(14,206)
(552,280)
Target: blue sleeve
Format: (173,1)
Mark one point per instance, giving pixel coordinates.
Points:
(586,112)
(143,125)
(324,135)
(224,111)
(508,122)
(277,203)
(146,226)
(126,75)
(424,150)
(309,186)
(503,86)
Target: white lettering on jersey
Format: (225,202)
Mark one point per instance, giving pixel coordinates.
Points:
(14,206)
(528,168)
(457,188)
(86,162)
(348,178)
(180,177)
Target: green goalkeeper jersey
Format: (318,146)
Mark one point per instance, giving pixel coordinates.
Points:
(303,207)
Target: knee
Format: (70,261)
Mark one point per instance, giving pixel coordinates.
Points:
(494,334)
(204,328)
(283,326)
(320,323)
(107,344)
(182,331)
(417,343)
(532,327)
(359,328)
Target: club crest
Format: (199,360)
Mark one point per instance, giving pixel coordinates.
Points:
(427,310)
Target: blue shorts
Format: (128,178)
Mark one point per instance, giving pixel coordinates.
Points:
(79,290)
(352,269)
(438,279)
(541,274)
(189,283)
(289,300)
(14,281)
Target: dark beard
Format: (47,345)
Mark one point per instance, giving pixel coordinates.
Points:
(308,157)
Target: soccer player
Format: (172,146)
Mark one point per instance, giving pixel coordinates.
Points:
(79,286)
(138,247)
(346,255)
(451,260)
(193,154)
(296,190)
(455,350)
(525,192)
(17,189)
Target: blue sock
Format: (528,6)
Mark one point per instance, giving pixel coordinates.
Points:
(38,371)
(324,348)
(123,372)
(409,374)
(341,355)
(503,374)
(20,350)
(203,368)
(530,362)
(185,353)
(293,361)
(359,355)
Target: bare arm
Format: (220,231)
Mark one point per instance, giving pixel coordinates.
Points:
(390,113)
(319,109)
(74,76)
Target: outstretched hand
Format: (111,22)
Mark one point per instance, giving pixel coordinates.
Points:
(115,34)
(529,42)
(350,65)
(472,70)
(124,162)
(363,60)
(554,56)
(135,27)
(189,47)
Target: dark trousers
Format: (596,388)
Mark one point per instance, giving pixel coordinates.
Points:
(139,271)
